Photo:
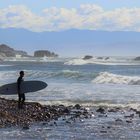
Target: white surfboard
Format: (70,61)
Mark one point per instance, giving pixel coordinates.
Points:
(26,87)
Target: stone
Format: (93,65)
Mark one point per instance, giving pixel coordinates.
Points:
(129,121)
(137,58)
(103,131)
(43,53)
(87,57)
(26,127)
(77,106)
(101,110)
(118,120)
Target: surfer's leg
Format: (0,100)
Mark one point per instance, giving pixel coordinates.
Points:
(23,100)
(19,101)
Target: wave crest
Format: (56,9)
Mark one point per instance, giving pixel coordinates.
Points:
(33,74)
(106,77)
(103,61)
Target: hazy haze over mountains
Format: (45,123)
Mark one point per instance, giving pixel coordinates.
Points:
(74,42)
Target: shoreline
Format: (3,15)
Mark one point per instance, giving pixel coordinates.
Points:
(98,121)
(34,112)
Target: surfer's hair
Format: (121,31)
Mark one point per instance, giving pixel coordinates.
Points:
(21,72)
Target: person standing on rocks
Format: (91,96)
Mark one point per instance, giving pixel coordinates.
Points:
(21,96)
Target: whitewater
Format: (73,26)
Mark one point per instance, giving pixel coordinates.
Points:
(75,80)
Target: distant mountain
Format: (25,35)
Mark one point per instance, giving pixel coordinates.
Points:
(6,51)
(72,41)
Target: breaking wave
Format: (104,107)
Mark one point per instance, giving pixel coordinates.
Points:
(106,77)
(34,74)
(110,61)
(99,78)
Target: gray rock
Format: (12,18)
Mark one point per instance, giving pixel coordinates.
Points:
(77,106)
(42,53)
(137,58)
(101,110)
(87,57)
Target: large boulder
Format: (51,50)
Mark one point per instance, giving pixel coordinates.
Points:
(137,58)
(42,53)
(87,57)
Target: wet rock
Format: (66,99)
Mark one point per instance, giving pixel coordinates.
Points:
(103,131)
(101,110)
(77,106)
(129,116)
(26,127)
(66,110)
(68,122)
(137,58)
(129,121)
(102,115)
(118,120)
(113,110)
(48,115)
(109,127)
(132,109)
(137,112)
(55,123)
(87,57)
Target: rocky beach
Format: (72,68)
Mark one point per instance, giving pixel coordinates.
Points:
(33,112)
(100,122)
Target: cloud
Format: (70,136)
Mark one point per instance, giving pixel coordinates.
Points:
(20,17)
(87,16)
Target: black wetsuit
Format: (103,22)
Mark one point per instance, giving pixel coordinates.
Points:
(21,96)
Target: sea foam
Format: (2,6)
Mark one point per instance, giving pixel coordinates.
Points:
(106,77)
(103,61)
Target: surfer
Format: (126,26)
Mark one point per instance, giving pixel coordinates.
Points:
(21,96)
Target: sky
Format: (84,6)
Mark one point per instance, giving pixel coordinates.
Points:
(61,15)
(58,15)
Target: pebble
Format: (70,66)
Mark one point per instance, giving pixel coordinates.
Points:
(26,127)
(118,120)
(103,131)
(77,106)
(101,110)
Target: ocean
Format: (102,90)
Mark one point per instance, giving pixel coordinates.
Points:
(93,82)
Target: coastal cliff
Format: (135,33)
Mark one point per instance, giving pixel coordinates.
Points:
(6,51)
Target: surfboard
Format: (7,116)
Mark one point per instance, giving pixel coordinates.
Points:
(26,87)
